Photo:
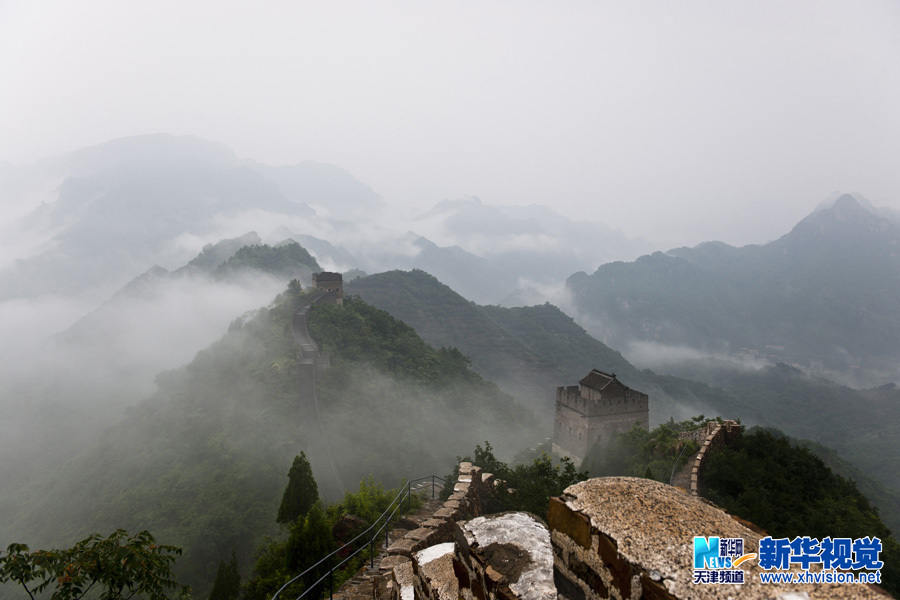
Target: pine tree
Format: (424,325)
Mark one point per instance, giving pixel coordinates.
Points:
(301,491)
(227,585)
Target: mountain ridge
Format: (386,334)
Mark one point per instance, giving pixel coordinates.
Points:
(821,296)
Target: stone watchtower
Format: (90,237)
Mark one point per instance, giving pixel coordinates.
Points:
(330,282)
(596,409)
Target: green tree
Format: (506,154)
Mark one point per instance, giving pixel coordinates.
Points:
(301,492)
(310,539)
(270,573)
(526,486)
(119,567)
(227,585)
(638,452)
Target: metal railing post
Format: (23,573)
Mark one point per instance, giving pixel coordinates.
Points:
(331,584)
(372,553)
(408,496)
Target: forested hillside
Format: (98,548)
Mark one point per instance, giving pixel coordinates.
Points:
(201,463)
(530,350)
(527,350)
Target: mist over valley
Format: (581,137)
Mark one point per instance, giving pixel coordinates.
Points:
(261,266)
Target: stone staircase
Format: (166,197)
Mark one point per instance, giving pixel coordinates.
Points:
(368,582)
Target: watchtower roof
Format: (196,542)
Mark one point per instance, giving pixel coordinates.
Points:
(598,380)
(327,276)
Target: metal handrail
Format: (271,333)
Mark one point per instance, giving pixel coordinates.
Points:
(404,494)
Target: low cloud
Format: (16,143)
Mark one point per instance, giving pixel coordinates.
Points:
(655,355)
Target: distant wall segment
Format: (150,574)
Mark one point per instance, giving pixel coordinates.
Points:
(718,436)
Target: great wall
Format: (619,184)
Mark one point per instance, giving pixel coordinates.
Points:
(710,437)
(621,538)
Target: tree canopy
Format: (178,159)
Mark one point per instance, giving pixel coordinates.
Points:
(227,585)
(116,567)
(527,486)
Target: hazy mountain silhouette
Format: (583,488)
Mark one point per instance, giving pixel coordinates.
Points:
(825,296)
(527,247)
(124,205)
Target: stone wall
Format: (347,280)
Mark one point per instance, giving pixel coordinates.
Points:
(458,554)
(619,538)
(720,435)
(405,573)
(627,538)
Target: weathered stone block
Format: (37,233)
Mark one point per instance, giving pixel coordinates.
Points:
(392,560)
(435,522)
(434,567)
(576,525)
(404,547)
(446,513)
(618,566)
(405,580)
(515,551)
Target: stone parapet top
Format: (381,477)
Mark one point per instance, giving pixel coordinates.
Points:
(515,550)
(651,526)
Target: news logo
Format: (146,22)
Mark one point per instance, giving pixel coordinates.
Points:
(802,559)
(716,560)
(829,560)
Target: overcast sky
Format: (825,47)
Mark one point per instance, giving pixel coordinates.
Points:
(674,121)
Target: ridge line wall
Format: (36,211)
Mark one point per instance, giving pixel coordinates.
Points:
(721,435)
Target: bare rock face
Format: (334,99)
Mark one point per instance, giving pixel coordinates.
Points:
(630,538)
(506,556)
